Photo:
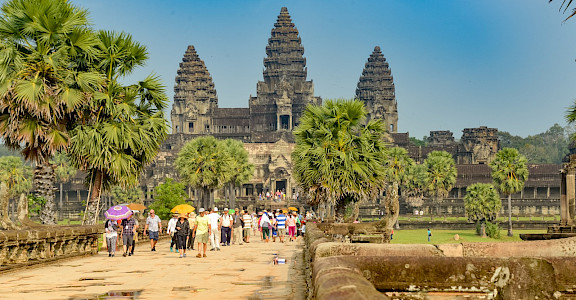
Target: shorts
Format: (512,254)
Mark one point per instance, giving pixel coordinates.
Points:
(282,232)
(153,235)
(202,238)
(246,231)
(127,239)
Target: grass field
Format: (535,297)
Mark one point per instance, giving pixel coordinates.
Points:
(419,236)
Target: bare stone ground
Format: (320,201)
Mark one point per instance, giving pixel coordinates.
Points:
(237,272)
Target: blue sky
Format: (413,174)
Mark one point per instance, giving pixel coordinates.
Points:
(456,64)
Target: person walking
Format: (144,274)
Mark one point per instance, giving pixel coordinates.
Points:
(429,234)
(181,233)
(237,225)
(128,230)
(265,224)
(153,227)
(247,226)
(281,226)
(226,227)
(214,220)
(291,224)
(192,221)
(202,231)
(135,239)
(171,229)
(111,229)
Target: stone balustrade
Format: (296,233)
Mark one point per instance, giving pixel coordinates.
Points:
(46,243)
(517,270)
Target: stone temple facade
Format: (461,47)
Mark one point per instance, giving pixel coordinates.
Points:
(266,126)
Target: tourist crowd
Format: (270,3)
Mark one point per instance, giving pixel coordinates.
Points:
(231,227)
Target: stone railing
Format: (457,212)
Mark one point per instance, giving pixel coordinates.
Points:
(517,270)
(46,243)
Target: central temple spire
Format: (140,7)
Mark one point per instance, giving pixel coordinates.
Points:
(285,60)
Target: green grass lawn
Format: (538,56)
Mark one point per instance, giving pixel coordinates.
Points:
(419,236)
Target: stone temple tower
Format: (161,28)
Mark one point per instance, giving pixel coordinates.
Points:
(284,93)
(195,97)
(376,89)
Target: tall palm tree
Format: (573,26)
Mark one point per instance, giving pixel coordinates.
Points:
(565,5)
(482,203)
(441,177)
(338,158)
(397,164)
(14,181)
(204,163)
(44,45)
(123,126)
(415,186)
(64,172)
(509,173)
(242,169)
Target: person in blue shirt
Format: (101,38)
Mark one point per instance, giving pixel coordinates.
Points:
(429,234)
(281,225)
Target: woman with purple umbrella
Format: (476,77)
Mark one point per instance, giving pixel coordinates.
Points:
(120,212)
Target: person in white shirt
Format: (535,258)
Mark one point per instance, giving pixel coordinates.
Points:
(171,228)
(226,227)
(214,221)
(153,227)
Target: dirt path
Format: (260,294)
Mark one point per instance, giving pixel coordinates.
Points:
(237,272)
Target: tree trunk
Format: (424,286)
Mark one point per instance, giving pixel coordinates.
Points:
(510,215)
(5,221)
(230,192)
(22,208)
(44,178)
(483,229)
(392,210)
(61,203)
(233,195)
(93,203)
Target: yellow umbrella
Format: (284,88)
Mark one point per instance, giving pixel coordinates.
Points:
(183,209)
(292,208)
(136,206)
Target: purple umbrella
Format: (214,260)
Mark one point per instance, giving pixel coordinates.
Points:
(118,212)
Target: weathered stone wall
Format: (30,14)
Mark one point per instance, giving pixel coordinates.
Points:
(520,270)
(46,243)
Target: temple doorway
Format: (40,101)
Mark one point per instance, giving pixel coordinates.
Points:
(281,185)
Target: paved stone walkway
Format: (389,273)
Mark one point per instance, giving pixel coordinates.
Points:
(237,272)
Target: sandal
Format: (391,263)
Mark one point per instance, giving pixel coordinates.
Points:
(199,255)
(204,254)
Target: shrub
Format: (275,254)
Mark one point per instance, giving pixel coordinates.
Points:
(493,230)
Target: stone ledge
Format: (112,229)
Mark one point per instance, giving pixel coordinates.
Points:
(46,243)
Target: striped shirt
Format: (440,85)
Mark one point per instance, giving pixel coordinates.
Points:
(281,219)
(247,221)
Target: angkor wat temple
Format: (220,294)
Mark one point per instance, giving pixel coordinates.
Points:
(266,126)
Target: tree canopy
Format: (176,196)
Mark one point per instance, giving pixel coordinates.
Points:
(166,196)
(441,175)
(339,158)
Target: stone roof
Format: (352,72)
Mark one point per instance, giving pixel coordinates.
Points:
(284,51)
(193,81)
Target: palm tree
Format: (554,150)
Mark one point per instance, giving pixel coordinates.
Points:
(509,173)
(415,187)
(64,172)
(204,163)
(14,181)
(123,126)
(397,164)
(338,158)
(44,45)
(242,169)
(441,177)
(566,4)
(482,203)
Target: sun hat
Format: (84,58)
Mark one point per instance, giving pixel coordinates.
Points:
(201,210)
(183,216)
(215,208)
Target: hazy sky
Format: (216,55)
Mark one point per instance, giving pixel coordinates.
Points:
(456,64)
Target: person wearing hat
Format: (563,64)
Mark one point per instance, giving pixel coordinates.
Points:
(181,233)
(214,220)
(171,228)
(237,225)
(201,232)
(192,221)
